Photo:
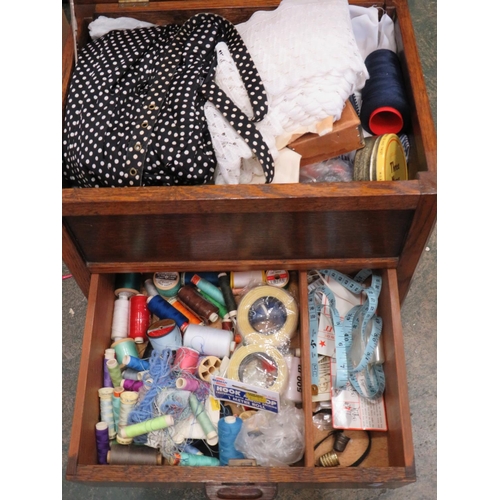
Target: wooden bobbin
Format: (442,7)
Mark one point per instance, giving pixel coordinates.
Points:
(208,366)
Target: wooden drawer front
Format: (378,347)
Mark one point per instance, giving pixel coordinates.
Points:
(383,224)
(389,464)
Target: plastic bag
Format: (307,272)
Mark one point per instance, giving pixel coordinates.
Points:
(273,439)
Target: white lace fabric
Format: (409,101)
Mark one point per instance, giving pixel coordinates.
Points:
(307,56)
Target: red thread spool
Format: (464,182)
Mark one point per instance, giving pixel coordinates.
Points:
(139,318)
(187,359)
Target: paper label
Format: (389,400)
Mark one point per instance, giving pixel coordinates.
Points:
(244,394)
(351,411)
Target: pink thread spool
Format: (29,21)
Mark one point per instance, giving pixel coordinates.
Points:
(187,384)
(187,359)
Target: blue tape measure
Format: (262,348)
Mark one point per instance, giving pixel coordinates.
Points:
(366,377)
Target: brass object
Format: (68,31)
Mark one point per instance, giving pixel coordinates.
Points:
(329,460)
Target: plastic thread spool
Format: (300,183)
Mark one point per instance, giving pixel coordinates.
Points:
(136,364)
(161,308)
(114,372)
(164,333)
(267,315)
(187,384)
(241,279)
(227,292)
(129,374)
(132,385)
(190,460)
(134,455)
(119,327)
(187,359)
(150,288)
(207,287)
(139,317)
(128,284)
(294,388)
(279,278)
(222,311)
(208,366)
(211,277)
(123,347)
(198,304)
(229,427)
(209,341)
(190,315)
(203,419)
(102,442)
(167,283)
(106,409)
(108,354)
(154,424)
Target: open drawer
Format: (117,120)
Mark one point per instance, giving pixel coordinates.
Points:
(390,462)
(291,226)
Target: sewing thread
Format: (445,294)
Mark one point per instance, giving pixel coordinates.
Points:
(164,310)
(229,427)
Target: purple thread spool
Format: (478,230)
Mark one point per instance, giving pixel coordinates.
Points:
(187,384)
(108,354)
(132,385)
(102,442)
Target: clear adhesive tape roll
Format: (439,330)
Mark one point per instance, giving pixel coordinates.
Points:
(267,353)
(267,315)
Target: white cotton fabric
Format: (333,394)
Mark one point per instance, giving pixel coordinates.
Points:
(103,25)
(307,56)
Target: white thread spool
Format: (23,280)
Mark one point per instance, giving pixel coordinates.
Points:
(119,328)
(209,341)
(293,391)
(241,279)
(150,288)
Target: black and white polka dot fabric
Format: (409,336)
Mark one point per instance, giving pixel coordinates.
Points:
(134,113)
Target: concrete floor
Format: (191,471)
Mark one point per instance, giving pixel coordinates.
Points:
(420,331)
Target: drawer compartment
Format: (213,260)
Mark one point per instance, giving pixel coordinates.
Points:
(381,224)
(390,462)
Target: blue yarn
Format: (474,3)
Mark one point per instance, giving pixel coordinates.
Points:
(227,436)
(160,377)
(384,88)
(164,310)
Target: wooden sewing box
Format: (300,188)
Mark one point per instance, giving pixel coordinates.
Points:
(344,226)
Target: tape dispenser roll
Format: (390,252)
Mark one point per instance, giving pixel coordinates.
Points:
(259,365)
(267,315)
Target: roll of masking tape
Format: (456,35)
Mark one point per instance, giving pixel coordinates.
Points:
(259,365)
(267,315)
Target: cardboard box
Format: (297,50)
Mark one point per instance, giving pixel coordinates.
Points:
(346,136)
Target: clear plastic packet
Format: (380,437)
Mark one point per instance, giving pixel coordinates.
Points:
(332,170)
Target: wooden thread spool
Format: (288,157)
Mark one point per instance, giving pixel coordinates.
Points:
(208,366)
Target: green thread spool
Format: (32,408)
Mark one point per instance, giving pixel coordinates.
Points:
(190,460)
(204,420)
(128,283)
(167,283)
(116,404)
(114,372)
(154,424)
(125,347)
(207,287)
(222,309)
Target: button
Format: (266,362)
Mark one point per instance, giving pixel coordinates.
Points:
(152,105)
(133,172)
(144,124)
(138,146)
